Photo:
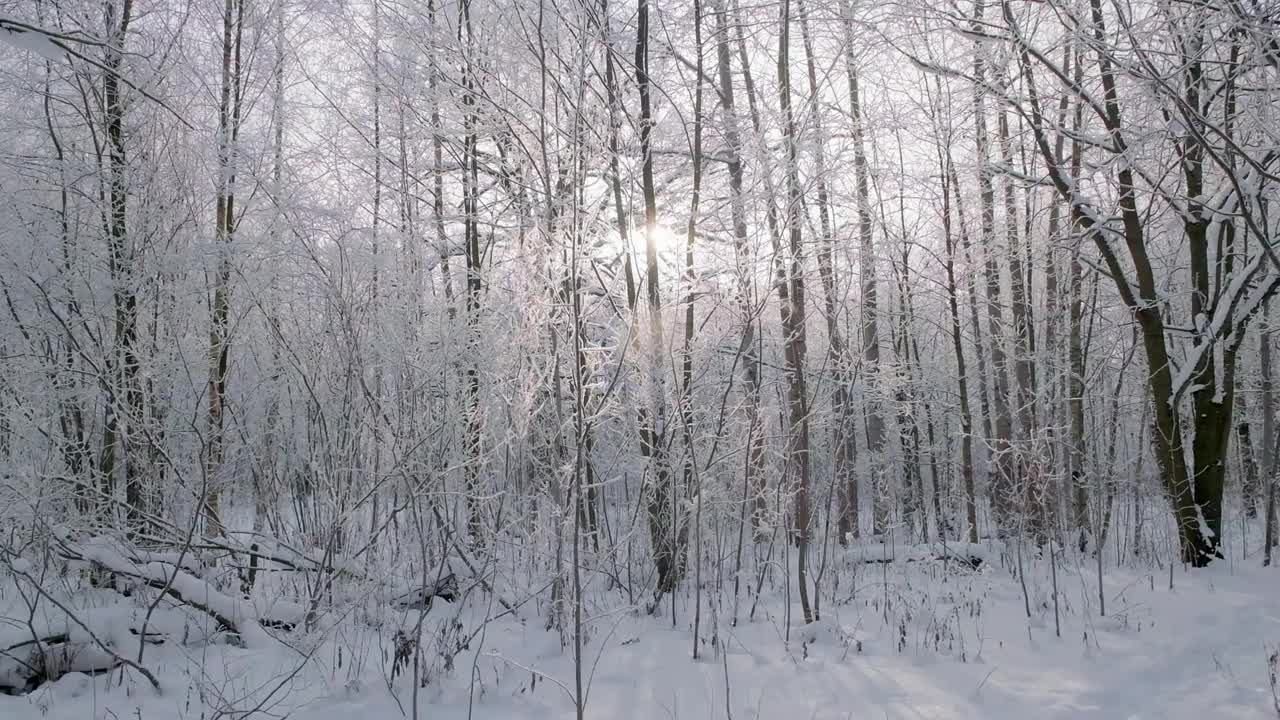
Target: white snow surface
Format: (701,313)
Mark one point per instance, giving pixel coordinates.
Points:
(895,640)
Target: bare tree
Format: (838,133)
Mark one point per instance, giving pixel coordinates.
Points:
(1226,292)
(124,411)
(798,461)
(870,302)
(946,169)
(229,119)
(1268,433)
(843,439)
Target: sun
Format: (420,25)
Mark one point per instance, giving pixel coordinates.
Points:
(664,238)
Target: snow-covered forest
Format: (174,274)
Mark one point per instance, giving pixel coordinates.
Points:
(638,358)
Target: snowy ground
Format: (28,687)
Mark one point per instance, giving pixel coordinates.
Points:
(906,640)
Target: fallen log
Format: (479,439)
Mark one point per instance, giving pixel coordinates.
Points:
(446,588)
(971,555)
(29,664)
(232,614)
(94,643)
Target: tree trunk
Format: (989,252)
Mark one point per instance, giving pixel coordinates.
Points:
(1075,345)
(904,384)
(1195,488)
(689,490)
(971,499)
(621,216)
(772,221)
(123,414)
(668,554)
(471,238)
(797,395)
(1001,488)
(870,332)
(1249,485)
(947,172)
(1268,433)
(843,440)
(1031,493)
(753,494)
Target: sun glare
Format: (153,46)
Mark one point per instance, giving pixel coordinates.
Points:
(665,239)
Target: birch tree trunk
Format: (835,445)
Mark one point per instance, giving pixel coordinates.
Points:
(690,489)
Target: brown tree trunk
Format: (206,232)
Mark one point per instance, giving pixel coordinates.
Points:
(904,384)
(667,553)
(797,395)
(1195,489)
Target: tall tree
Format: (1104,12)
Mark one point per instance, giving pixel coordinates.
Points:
(1268,432)
(949,188)
(1225,294)
(752,480)
(843,439)
(668,555)
(798,461)
(1001,448)
(870,302)
(472,441)
(122,422)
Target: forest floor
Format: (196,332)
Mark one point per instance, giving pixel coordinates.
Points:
(909,640)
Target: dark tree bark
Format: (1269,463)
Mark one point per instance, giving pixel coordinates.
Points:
(471,245)
(948,174)
(669,556)
(1249,485)
(1195,488)
(229,109)
(124,407)
(798,463)
(1268,432)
